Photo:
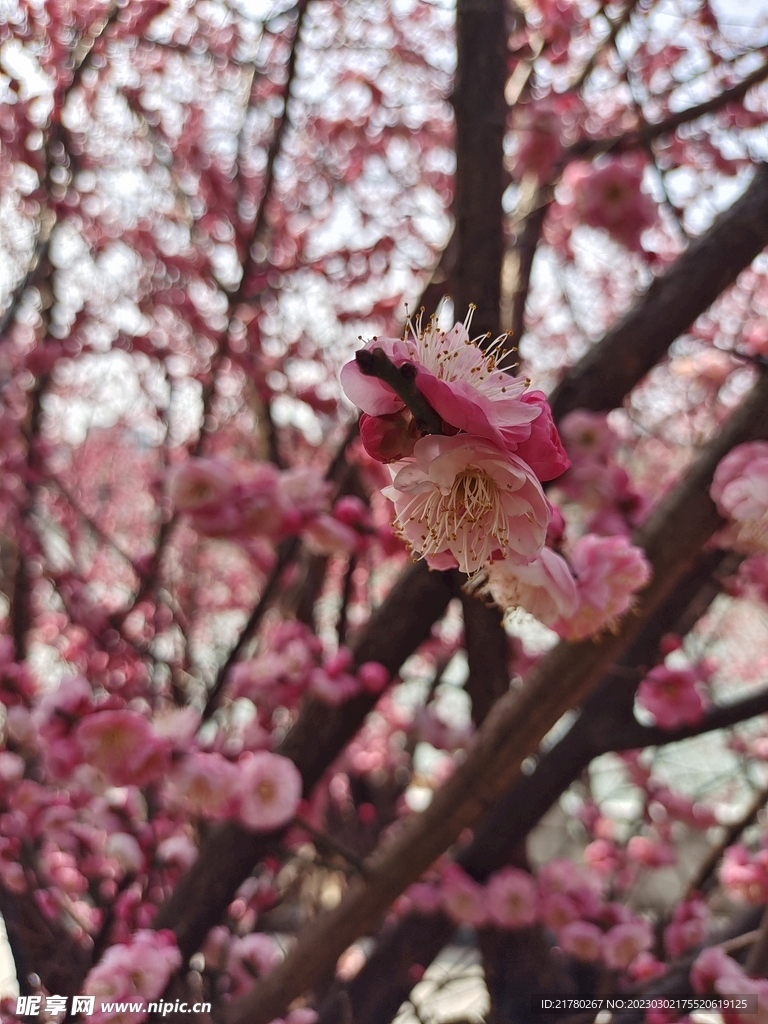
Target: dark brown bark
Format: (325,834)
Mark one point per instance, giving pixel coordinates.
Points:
(487,647)
(478,100)
(610,370)
(42,946)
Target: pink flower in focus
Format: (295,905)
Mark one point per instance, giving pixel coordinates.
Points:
(123,745)
(581,939)
(461,502)
(464,384)
(543,450)
(610,197)
(463,899)
(624,942)
(670,695)
(204,784)
(270,790)
(609,571)
(740,491)
(544,587)
(511,898)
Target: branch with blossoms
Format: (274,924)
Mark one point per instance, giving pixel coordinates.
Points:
(672,540)
(384,981)
(229,853)
(402,380)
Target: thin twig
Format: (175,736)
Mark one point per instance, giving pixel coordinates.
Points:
(270,588)
(402,380)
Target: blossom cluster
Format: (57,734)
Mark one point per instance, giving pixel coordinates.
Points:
(568,899)
(715,973)
(472,494)
(471,498)
(137,970)
(221,498)
(290,663)
(745,875)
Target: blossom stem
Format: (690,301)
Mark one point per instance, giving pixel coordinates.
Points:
(402,380)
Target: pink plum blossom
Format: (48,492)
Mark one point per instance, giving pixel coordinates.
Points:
(461,380)
(540,143)
(463,899)
(710,965)
(250,957)
(610,197)
(325,535)
(124,746)
(688,927)
(558,909)
(202,484)
(389,438)
(740,491)
(138,970)
(511,898)
(126,851)
(745,875)
(624,942)
(671,696)
(270,790)
(587,435)
(581,939)
(373,676)
(609,571)
(204,784)
(650,851)
(461,502)
(424,898)
(544,587)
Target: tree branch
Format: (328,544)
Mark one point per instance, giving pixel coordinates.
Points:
(672,538)
(590,148)
(383,983)
(402,380)
(631,735)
